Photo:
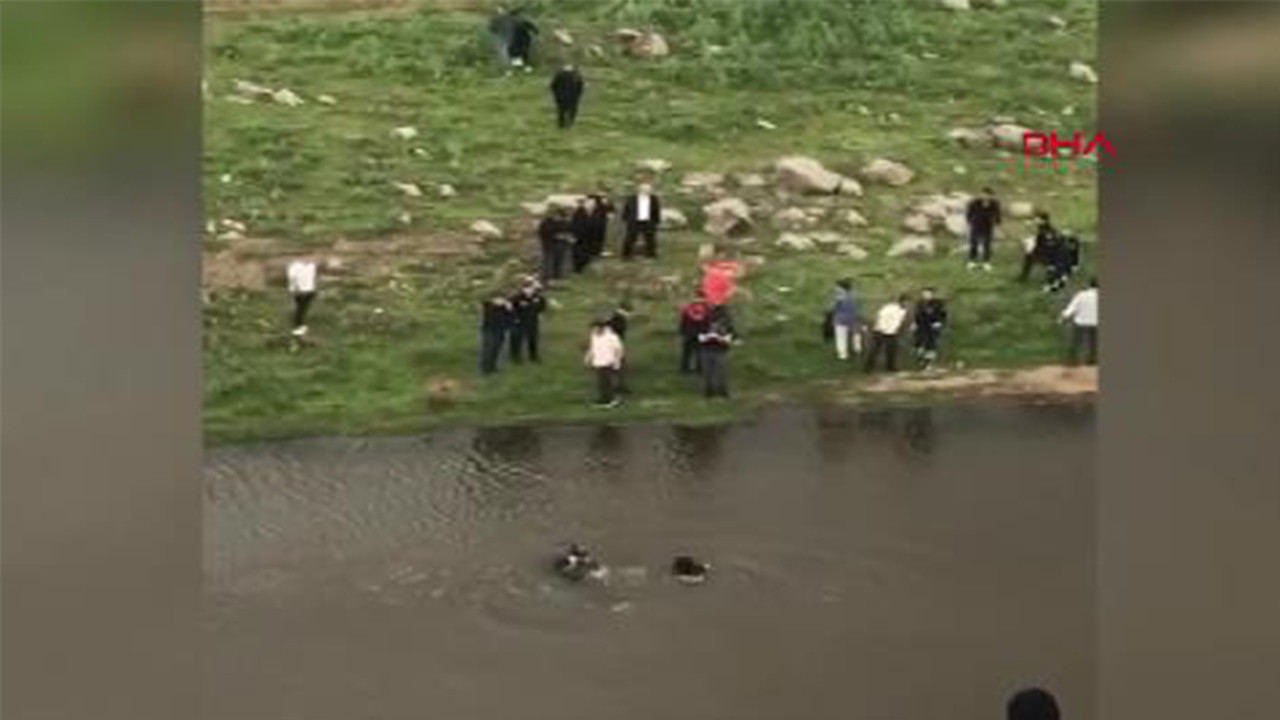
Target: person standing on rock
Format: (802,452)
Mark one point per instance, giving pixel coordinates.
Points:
(527,307)
(1082,313)
(555,236)
(714,344)
(845,320)
(642,213)
(929,319)
(301,276)
(496,319)
(605,353)
(983,215)
(884,338)
(694,320)
(567,87)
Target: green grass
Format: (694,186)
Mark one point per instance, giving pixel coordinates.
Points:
(308,176)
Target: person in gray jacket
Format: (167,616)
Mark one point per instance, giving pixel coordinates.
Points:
(846,320)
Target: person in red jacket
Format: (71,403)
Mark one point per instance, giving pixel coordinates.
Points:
(694,317)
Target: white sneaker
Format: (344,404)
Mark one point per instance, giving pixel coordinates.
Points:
(987,267)
(972,265)
(300,331)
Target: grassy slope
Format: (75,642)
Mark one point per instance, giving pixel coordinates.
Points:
(313,174)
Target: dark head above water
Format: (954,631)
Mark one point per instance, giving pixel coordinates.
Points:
(1034,704)
(688,569)
(576,563)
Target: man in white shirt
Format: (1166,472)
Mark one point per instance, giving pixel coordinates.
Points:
(641,213)
(1082,313)
(302,285)
(884,337)
(604,356)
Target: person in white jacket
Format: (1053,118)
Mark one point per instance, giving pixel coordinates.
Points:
(302,285)
(1082,313)
(604,355)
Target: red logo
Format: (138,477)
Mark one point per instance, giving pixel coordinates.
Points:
(1050,148)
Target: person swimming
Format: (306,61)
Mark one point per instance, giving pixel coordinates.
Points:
(690,570)
(577,564)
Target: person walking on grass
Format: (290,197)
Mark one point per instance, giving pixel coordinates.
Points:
(714,344)
(884,337)
(527,306)
(301,276)
(605,355)
(642,213)
(619,321)
(1043,246)
(694,320)
(1082,314)
(555,237)
(983,214)
(930,317)
(567,87)
(523,32)
(496,319)
(846,321)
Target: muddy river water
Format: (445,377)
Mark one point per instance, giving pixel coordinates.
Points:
(902,564)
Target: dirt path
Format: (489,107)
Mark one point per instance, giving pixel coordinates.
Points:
(1047,381)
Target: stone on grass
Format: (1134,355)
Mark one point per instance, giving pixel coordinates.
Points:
(959,5)
(285,96)
(703,180)
(1056,22)
(653,165)
(1082,72)
(887,172)
(807,175)
(792,218)
(917,223)
(326,100)
(642,44)
(405,133)
(730,216)
(957,225)
(409,189)
(1021,209)
(751,180)
(252,90)
(1008,136)
(969,137)
(674,219)
(765,124)
(912,245)
(795,241)
(486,230)
(852,251)
(853,218)
(826,237)
(562,36)
(447,191)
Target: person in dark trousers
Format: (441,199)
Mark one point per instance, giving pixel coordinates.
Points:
(845,321)
(567,87)
(555,235)
(605,353)
(522,33)
(929,319)
(1033,704)
(618,322)
(1042,248)
(884,338)
(983,215)
(713,345)
(527,306)
(301,276)
(582,227)
(501,30)
(495,322)
(1082,313)
(600,208)
(1062,264)
(641,213)
(694,320)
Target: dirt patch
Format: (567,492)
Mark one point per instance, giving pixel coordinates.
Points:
(1048,380)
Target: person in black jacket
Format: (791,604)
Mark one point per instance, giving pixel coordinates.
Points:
(583,236)
(495,322)
(567,86)
(929,319)
(555,236)
(714,344)
(983,215)
(693,322)
(642,213)
(522,34)
(527,306)
(598,228)
(1042,247)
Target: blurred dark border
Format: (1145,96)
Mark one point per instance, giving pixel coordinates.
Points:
(1190,414)
(100,360)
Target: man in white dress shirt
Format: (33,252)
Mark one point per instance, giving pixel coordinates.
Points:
(641,213)
(884,338)
(302,285)
(1082,313)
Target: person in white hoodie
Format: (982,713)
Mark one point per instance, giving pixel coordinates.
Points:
(604,356)
(302,286)
(1082,313)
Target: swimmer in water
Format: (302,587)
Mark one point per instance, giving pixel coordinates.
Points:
(577,564)
(689,570)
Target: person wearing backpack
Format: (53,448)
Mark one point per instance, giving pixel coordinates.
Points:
(693,322)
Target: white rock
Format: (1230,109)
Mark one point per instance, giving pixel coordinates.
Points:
(225,178)
(792,218)
(235,225)
(765,124)
(409,189)
(288,97)
(969,137)
(333,262)
(957,225)
(827,237)
(405,218)
(211,227)
(674,219)
(853,218)
(642,44)
(808,175)
(563,37)
(1021,209)
(853,252)
(727,217)
(326,100)
(447,191)
(654,165)
(486,230)
(239,99)
(231,235)
(917,223)
(751,180)
(1056,22)
(1008,136)
(252,90)
(405,133)
(1082,72)
(535,208)
(959,170)
(703,180)
(595,51)
(957,5)
(888,172)
(794,241)
(912,245)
